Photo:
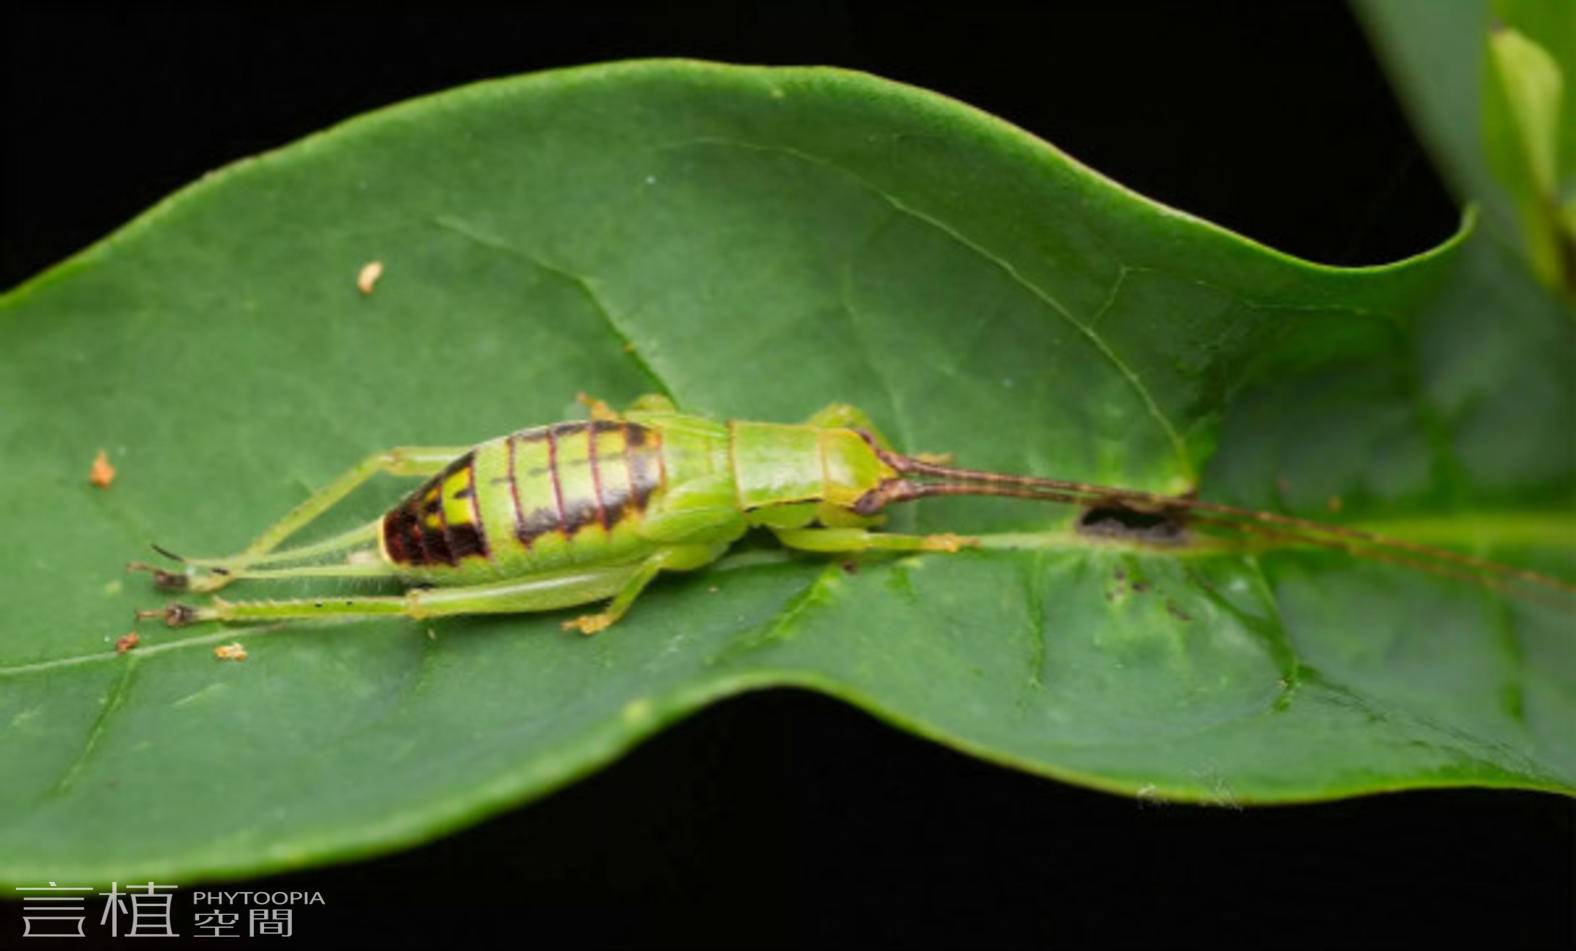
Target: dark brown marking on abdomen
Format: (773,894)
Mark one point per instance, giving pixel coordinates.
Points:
(552,473)
(643,463)
(406,540)
(399,542)
(514,487)
(580,510)
(435,544)
(467,540)
(536,523)
(470,539)
(410,539)
(613,496)
(529,525)
(603,512)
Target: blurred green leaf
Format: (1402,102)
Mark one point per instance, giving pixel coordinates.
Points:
(1521,112)
(1488,86)
(757,242)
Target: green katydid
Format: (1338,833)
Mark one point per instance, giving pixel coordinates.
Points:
(578,512)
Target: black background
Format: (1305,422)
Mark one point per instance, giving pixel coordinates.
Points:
(784,819)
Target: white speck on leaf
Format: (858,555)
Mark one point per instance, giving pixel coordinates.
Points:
(370,272)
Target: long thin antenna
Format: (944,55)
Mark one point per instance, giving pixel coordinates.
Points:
(959,481)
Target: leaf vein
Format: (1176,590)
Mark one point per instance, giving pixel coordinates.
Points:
(112,703)
(1151,405)
(586,286)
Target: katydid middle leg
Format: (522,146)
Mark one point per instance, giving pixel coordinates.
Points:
(673,558)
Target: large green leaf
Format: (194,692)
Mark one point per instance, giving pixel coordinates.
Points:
(757,242)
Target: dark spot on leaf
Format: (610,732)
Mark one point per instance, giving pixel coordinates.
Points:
(1115,521)
(1176,612)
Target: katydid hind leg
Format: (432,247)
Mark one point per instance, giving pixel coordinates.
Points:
(546,592)
(211,574)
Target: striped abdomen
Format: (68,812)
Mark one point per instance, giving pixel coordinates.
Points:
(534,500)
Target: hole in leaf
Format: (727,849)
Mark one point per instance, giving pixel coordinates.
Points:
(1117,521)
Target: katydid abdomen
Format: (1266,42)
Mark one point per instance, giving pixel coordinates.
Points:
(536,500)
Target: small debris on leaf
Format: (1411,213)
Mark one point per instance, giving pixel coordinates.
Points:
(126,642)
(230,651)
(370,272)
(102,473)
(1333,505)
